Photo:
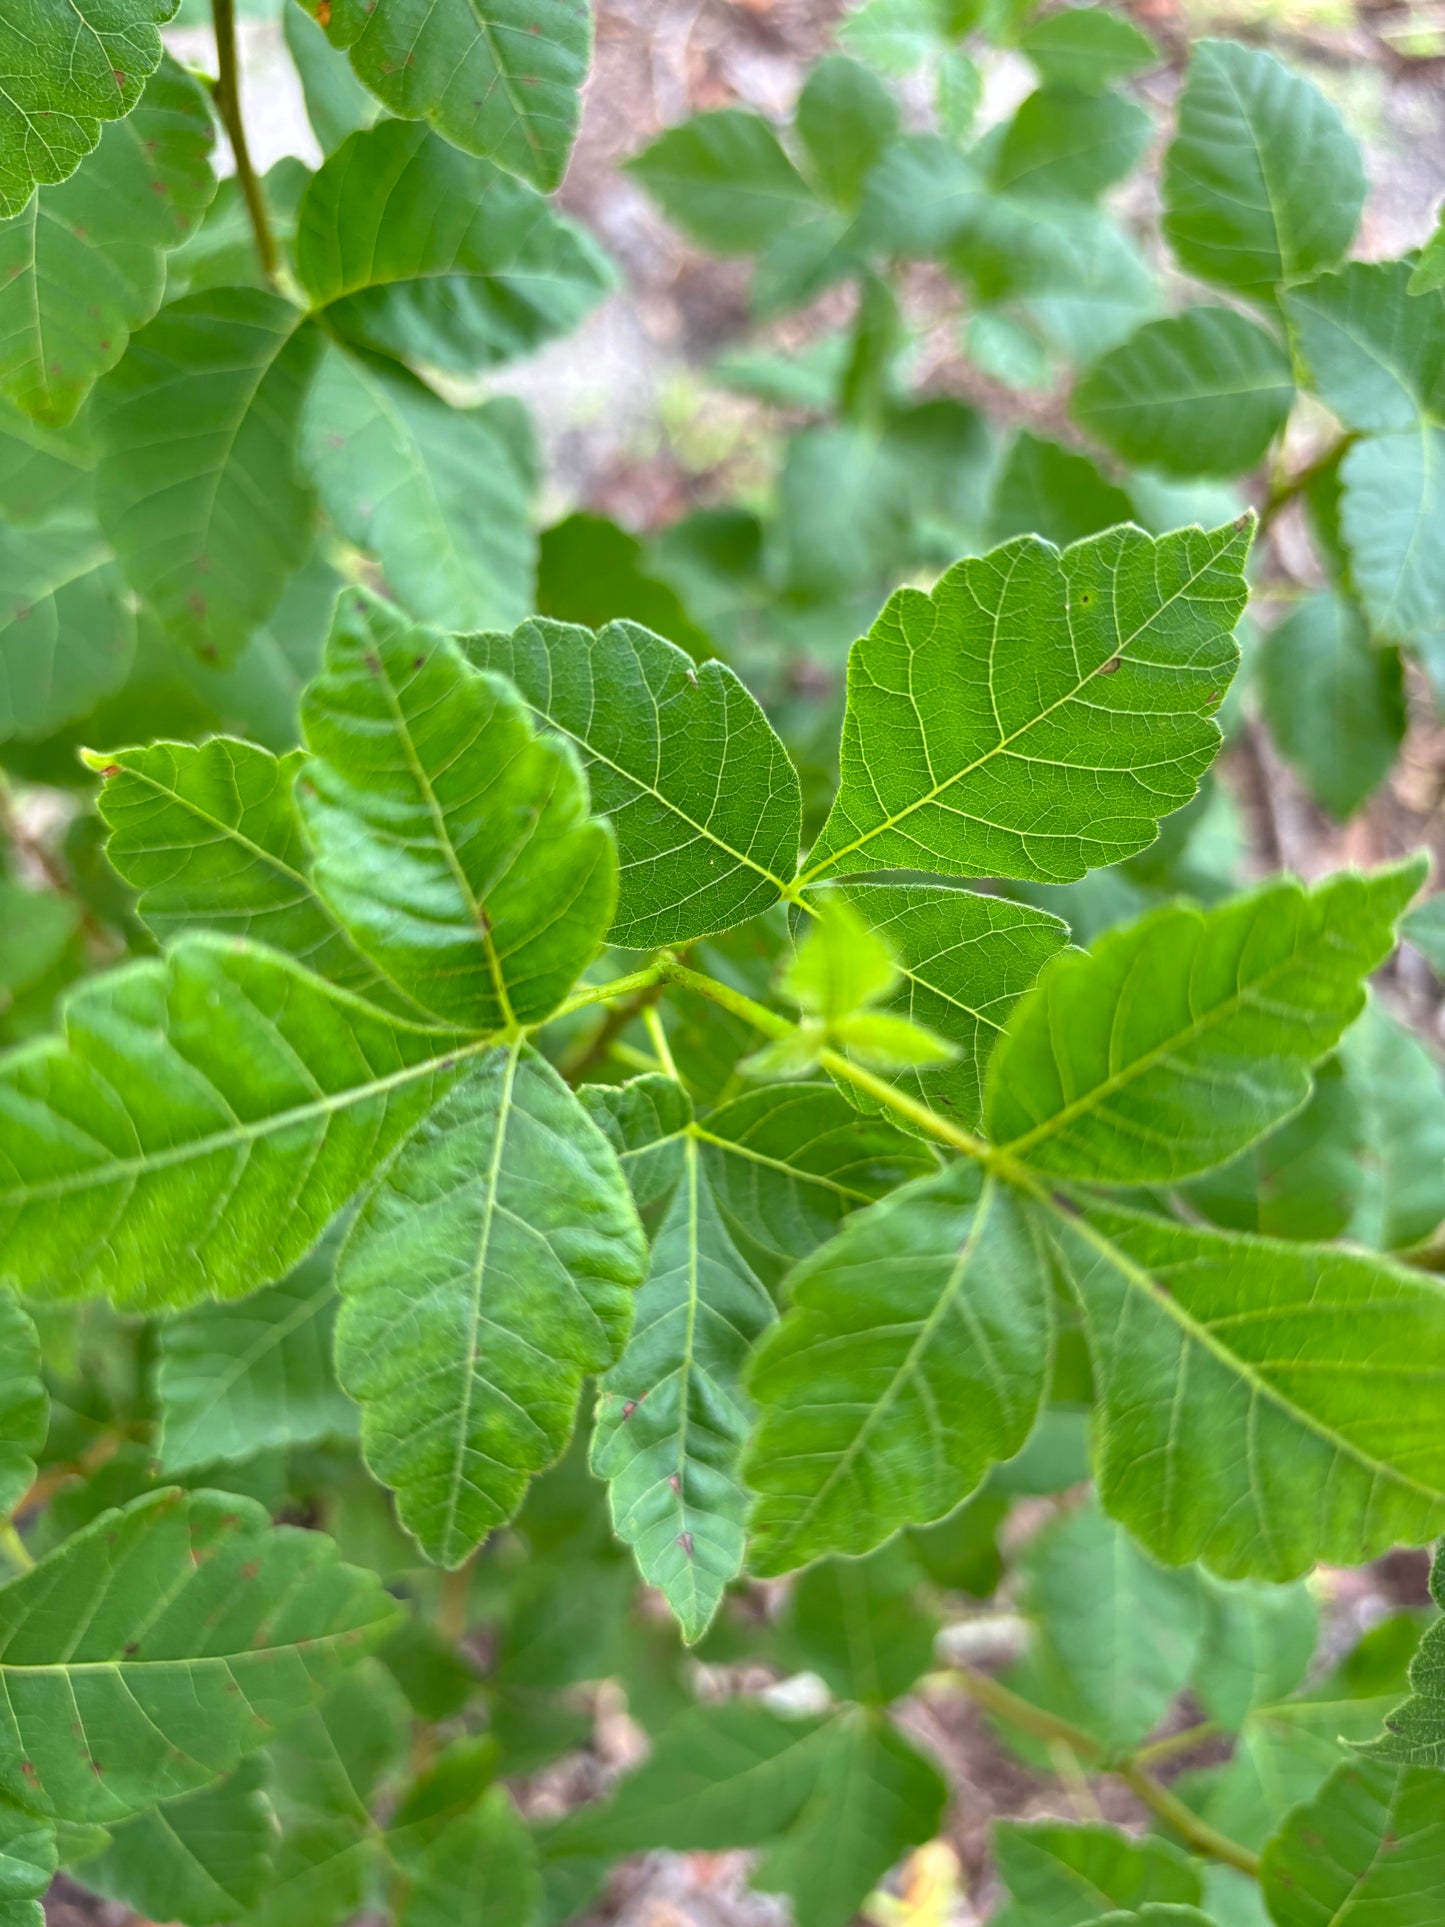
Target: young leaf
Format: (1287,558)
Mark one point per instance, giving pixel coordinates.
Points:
(24,1403)
(233,1379)
(1061,1876)
(146,1654)
(198,1125)
(1262,182)
(1335,702)
(487,1275)
(701,794)
(860,1625)
(197,486)
(1100,1079)
(1038,712)
(67,631)
(451,842)
(1202,393)
(1066,146)
(431,490)
(845,119)
(724,178)
(1086,48)
(503,82)
(1237,1422)
(1385,1833)
(482,1868)
(1396,1083)
(913,1353)
(424,254)
(67,71)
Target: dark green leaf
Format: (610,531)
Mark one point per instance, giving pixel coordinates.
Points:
(199,1859)
(1067,146)
(1086,48)
(590,571)
(1052,491)
(1335,702)
(724,178)
(1415,1731)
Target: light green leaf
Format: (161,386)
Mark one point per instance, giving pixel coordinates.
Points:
(67,632)
(1052,491)
(845,118)
(84,264)
(481,1869)
(861,1625)
(210,838)
(1156,1913)
(197,485)
(919,198)
(1058,751)
(702,796)
(145,1655)
(1262,182)
(957,94)
(839,965)
(501,79)
(66,71)
(1397,1085)
(24,1403)
(452,842)
(1238,1422)
(1371,349)
(428,255)
(233,1379)
(1415,1731)
(487,1275)
(199,1859)
(43,469)
(672,1417)
(894,35)
(336,102)
(1430,268)
(1371,1844)
(431,490)
(1335,703)
(1202,393)
(198,1124)
(913,1353)
(27,1865)
(1392,513)
(1257,1645)
(725,180)
(1060,1876)
(1007,351)
(1086,48)
(1180,1038)
(1066,146)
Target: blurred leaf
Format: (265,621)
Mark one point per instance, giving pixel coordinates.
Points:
(1086,48)
(199,1859)
(1061,1876)
(1415,1731)
(336,102)
(860,1624)
(67,632)
(24,1404)
(481,1869)
(1256,1647)
(1396,1083)
(591,572)
(1382,1831)
(1048,490)
(1063,145)
(724,179)
(845,118)
(1371,349)
(1334,701)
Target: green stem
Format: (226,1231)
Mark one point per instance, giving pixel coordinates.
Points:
(1196,1833)
(228,106)
(1173,1744)
(657,1037)
(1284,492)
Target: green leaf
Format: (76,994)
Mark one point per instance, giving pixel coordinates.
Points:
(1202,393)
(67,633)
(1371,349)
(84,264)
(1061,1876)
(860,1625)
(24,1403)
(1397,1085)
(1262,182)
(845,118)
(199,1859)
(918,199)
(198,1125)
(894,35)
(702,796)
(66,71)
(197,486)
(1123,1631)
(1048,490)
(27,1865)
(336,102)
(1392,512)
(145,1655)
(964,961)
(1101,1078)
(451,842)
(1238,1423)
(1430,269)
(425,254)
(1415,1731)
(42,469)
(221,252)
(672,1418)
(1371,1843)
(481,1869)
(1086,48)
(487,1275)
(1257,1645)
(725,180)
(503,81)
(913,1353)
(1067,146)
(590,571)
(232,1379)
(431,490)
(1034,763)
(1334,702)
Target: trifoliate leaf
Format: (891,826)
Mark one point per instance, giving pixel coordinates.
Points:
(425,254)
(503,81)
(198,1124)
(1054,754)
(67,71)
(1396,1084)
(1371,349)
(701,794)
(724,178)
(146,1654)
(1066,146)
(1235,1424)
(1415,1731)
(1086,48)
(1335,702)
(913,1353)
(845,119)
(861,1625)
(24,1403)
(1101,1078)
(232,1379)
(453,843)
(1203,393)
(67,631)
(1382,1830)
(85,263)
(488,1274)
(197,486)
(1048,490)
(1262,182)
(1060,1876)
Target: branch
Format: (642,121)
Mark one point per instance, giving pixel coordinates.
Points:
(228,105)
(1284,492)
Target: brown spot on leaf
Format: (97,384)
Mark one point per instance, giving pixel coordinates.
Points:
(684,1539)
(1109,668)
